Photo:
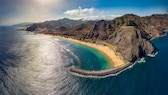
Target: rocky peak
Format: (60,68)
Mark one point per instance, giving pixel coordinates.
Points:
(128,20)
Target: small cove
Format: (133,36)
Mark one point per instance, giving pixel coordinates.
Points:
(90,58)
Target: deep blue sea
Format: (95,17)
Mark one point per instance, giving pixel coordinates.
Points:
(35,64)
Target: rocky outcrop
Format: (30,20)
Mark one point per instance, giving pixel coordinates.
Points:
(130,33)
(130,43)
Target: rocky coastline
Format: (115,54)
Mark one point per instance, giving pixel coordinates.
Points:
(130,34)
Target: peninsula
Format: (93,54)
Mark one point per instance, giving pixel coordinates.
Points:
(124,40)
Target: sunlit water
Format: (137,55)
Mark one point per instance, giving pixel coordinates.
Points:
(38,65)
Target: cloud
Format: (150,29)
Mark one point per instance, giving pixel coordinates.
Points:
(88,14)
(81,12)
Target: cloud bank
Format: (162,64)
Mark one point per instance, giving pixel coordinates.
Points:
(81,12)
(88,14)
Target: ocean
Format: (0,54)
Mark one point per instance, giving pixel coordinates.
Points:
(36,64)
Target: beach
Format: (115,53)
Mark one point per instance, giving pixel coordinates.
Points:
(114,59)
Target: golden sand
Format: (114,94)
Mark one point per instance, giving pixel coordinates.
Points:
(116,60)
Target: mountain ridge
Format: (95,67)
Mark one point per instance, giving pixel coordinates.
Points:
(61,24)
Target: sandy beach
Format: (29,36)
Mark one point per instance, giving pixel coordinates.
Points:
(115,60)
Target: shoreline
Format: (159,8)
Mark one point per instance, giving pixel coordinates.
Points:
(115,70)
(100,73)
(166,31)
(118,64)
(108,52)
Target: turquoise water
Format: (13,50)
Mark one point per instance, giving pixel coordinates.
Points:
(90,58)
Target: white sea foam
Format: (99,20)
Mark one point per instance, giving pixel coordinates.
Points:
(142,60)
(71,53)
(105,76)
(161,35)
(152,55)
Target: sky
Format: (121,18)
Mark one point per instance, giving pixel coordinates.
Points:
(18,11)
